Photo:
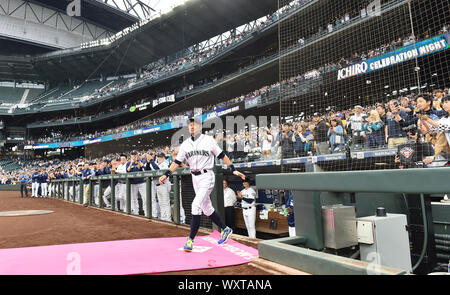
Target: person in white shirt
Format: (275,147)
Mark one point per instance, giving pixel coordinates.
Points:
(248,197)
(356,125)
(163,190)
(229,197)
(267,144)
(122,169)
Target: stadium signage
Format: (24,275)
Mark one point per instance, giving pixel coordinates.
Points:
(404,54)
(168,126)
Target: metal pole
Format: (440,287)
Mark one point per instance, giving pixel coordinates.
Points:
(113,195)
(100,199)
(128,196)
(81,191)
(148,191)
(74,191)
(176,199)
(91,192)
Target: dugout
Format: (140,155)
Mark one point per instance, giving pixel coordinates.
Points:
(412,189)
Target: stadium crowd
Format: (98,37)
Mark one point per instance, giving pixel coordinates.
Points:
(264,92)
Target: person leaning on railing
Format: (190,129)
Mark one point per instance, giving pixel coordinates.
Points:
(443,130)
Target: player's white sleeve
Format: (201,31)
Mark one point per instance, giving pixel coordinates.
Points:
(181,156)
(252,193)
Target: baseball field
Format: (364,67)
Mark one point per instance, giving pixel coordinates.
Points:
(74,224)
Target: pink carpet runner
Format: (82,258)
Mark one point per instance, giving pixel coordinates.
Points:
(124,257)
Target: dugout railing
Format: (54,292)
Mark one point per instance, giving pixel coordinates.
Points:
(76,185)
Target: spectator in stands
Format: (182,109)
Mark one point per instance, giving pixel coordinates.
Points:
(286,141)
(395,134)
(373,130)
(299,141)
(356,125)
(267,143)
(443,127)
(336,136)
(425,113)
(320,135)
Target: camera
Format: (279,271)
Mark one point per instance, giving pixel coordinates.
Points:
(411,128)
(421,112)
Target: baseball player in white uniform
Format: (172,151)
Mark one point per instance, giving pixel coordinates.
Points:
(163,191)
(151,165)
(199,152)
(248,197)
(121,169)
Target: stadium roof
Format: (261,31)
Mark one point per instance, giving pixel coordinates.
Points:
(97,12)
(181,27)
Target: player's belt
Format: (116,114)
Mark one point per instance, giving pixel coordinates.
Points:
(197,173)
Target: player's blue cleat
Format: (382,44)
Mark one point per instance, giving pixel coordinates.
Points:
(189,245)
(226,233)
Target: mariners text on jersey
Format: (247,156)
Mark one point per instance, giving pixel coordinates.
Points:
(197,153)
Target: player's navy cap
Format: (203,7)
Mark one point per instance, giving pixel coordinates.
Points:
(196,120)
(92,163)
(161,155)
(247,180)
(123,155)
(134,152)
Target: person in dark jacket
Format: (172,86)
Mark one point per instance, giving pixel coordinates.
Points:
(321,135)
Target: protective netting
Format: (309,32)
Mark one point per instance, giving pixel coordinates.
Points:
(355,76)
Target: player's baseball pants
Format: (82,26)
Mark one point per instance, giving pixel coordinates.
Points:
(44,189)
(163,195)
(250,219)
(86,194)
(34,189)
(292,231)
(122,196)
(141,189)
(106,193)
(203,186)
(156,211)
(96,194)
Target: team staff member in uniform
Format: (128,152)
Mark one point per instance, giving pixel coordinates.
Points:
(248,197)
(290,216)
(34,183)
(137,184)
(163,190)
(106,170)
(229,197)
(43,183)
(86,174)
(151,166)
(199,151)
(121,169)
(23,179)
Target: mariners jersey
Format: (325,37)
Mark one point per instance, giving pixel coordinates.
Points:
(199,153)
(249,197)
